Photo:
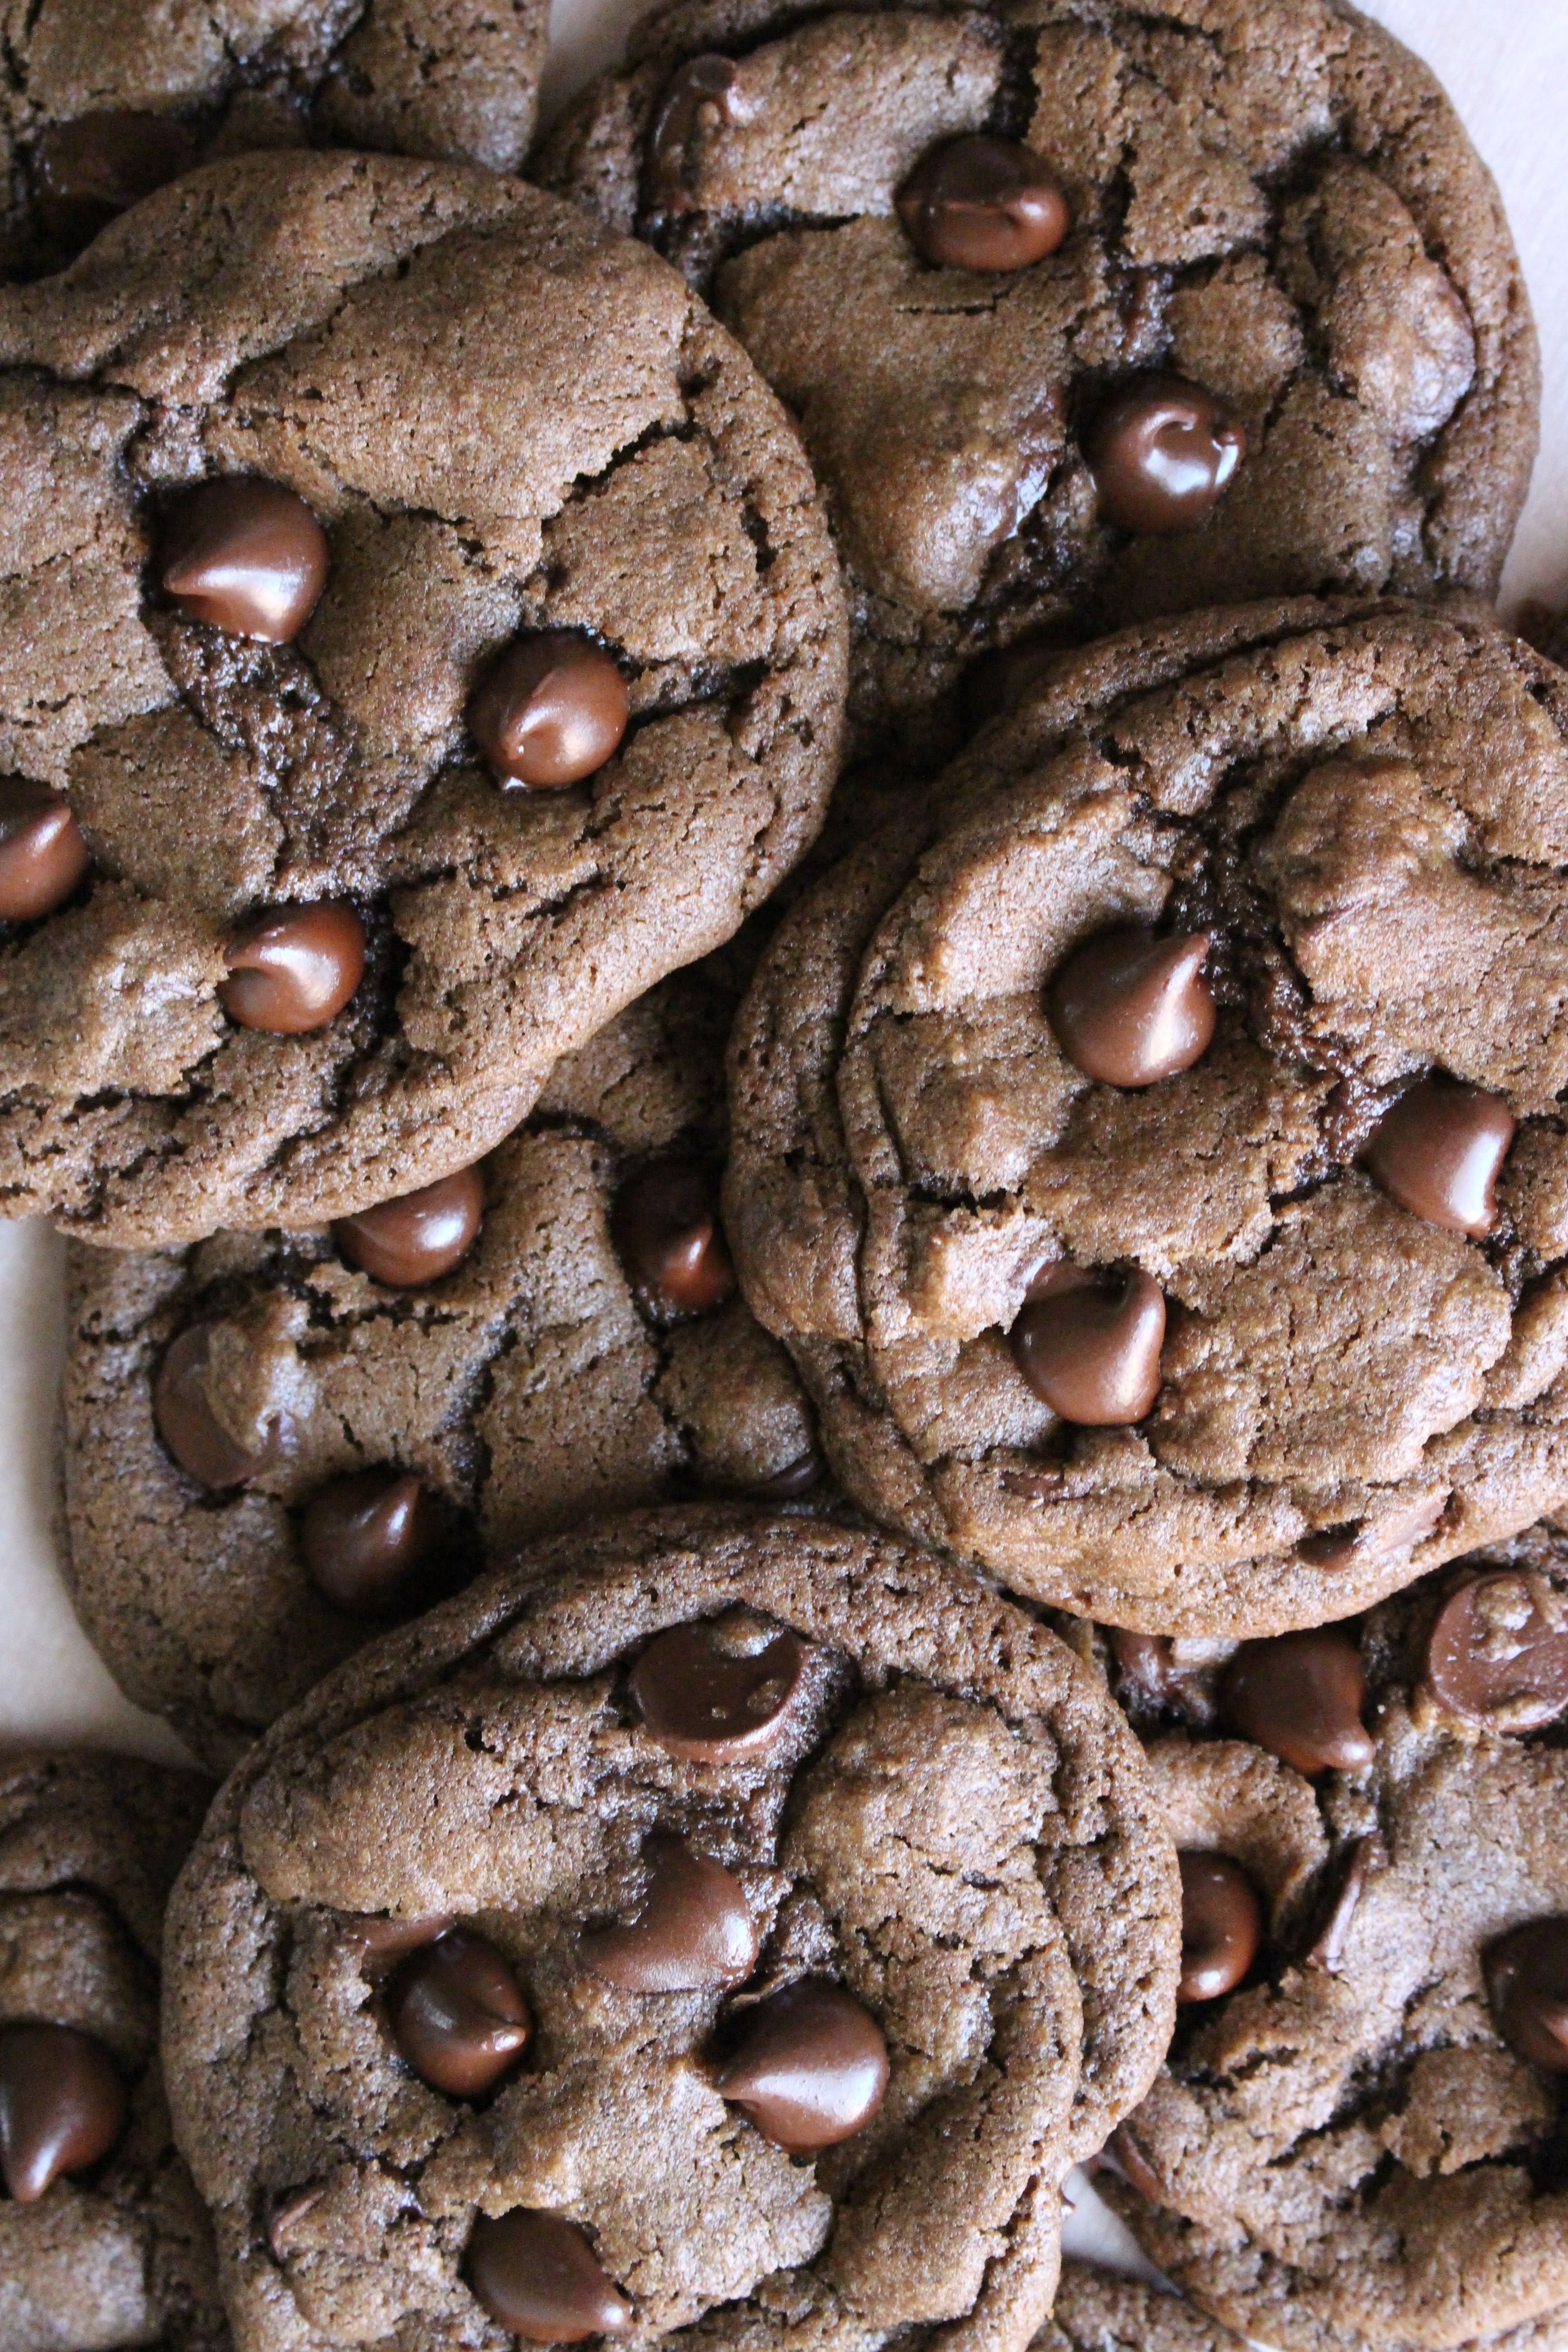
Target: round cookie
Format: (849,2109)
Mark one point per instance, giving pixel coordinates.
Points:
(102,2239)
(1283,347)
(587,1354)
(1357,2138)
(326,947)
(1244,1346)
(101,101)
(746,1812)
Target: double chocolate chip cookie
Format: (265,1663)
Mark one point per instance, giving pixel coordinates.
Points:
(101,101)
(714,1925)
(1088,314)
(1151,1151)
(1359,2138)
(419,637)
(103,2241)
(277,1444)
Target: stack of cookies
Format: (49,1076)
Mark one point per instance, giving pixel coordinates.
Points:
(790,944)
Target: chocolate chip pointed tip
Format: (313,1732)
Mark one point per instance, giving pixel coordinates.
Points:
(1130,1008)
(693,1929)
(458,2014)
(983,204)
(811,2069)
(365,1539)
(1439,1150)
(536,2274)
(550,710)
(63,2105)
(1301,1697)
(44,859)
(293,969)
(419,1236)
(1088,1344)
(246,555)
(666,1230)
(1164,453)
(1526,1974)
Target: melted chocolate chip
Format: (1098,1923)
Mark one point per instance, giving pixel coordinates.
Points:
(695,1928)
(1493,1657)
(87,171)
(1088,1344)
(188,1425)
(797,1477)
(978,203)
(1222,1926)
(1130,1008)
(1301,1697)
(419,1236)
(698,98)
(42,858)
(1328,1948)
(247,556)
(294,969)
(717,1691)
(458,2014)
(1439,1153)
(550,710)
(62,2106)
(365,1539)
(1526,1974)
(1163,455)
(664,1226)
(538,2275)
(812,2069)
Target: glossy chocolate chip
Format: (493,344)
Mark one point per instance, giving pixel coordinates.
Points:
(812,2068)
(1526,1974)
(1439,1153)
(418,1237)
(694,1929)
(1301,1697)
(1328,1949)
(365,1539)
(62,2106)
(549,710)
(246,555)
(1163,455)
(458,2014)
(699,95)
(384,1939)
(796,1477)
(978,203)
(1493,1658)
(717,1691)
(42,858)
(189,1427)
(1143,1660)
(664,1226)
(87,171)
(294,968)
(1222,1926)
(538,2275)
(1088,1344)
(1130,1008)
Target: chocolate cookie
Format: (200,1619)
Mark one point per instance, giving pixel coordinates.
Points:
(1088,314)
(421,637)
(103,100)
(715,1924)
(271,1452)
(102,2239)
(1151,1150)
(1359,2138)
(1097,2311)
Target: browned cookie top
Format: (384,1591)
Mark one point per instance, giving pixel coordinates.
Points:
(425,612)
(1097,2311)
(1088,312)
(1160,1178)
(809,1917)
(102,2240)
(103,100)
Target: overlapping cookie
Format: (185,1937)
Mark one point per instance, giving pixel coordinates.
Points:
(717,1925)
(419,637)
(1158,1179)
(1086,314)
(1097,2310)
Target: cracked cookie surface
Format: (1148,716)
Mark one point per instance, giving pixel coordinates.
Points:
(507,425)
(939,1816)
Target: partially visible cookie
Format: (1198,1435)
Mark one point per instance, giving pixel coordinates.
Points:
(713,1924)
(102,2239)
(1097,2311)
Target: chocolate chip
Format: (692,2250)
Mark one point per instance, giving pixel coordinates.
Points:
(1222,1926)
(1493,1657)
(664,1226)
(550,710)
(364,1539)
(458,2014)
(797,1477)
(1134,2167)
(538,2275)
(1362,1543)
(294,969)
(978,203)
(384,1939)
(694,1929)
(1088,1344)
(812,2069)
(1301,1697)
(42,858)
(62,2106)
(1328,1948)
(1130,1008)
(1439,1151)
(288,2210)
(419,1236)
(189,1427)
(720,1692)
(1145,1660)
(87,171)
(1526,1974)
(1162,453)
(246,555)
(698,98)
